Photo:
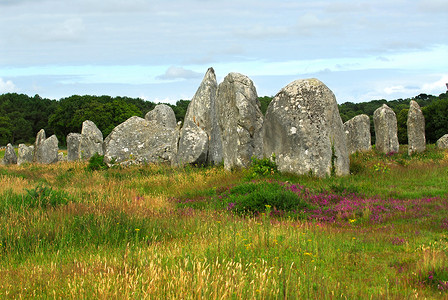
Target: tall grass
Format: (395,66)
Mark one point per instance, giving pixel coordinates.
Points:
(160,232)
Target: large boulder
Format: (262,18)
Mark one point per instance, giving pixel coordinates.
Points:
(140,141)
(73,146)
(10,157)
(304,130)
(46,150)
(357,131)
(416,129)
(200,138)
(163,115)
(442,143)
(240,120)
(26,154)
(385,122)
(91,140)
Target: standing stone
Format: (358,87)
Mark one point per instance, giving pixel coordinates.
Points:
(91,140)
(357,131)
(304,130)
(26,154)
(416,129)
(49,151)
(240,120)
(442,143)
(163,115)
(137,141)
(385,123)
(73,146)
(40,138)
(200,139)
(10,157)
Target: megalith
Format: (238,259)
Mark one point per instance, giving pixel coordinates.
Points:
(416,129)
(240,120)
(304,130)
(200,139)
(46,150)
(357,131)
(442,143)
(73,146)
(138,141)
(163,115)
(385,122)
(10,157)
(26,154)
(91,140)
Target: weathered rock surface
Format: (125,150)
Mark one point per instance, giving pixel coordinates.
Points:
(305,131)
(240,120)
(46,150)
(442,143)
(91,140)
(385,123)
(73,146)
(200,138)
(357,131)
(163,115)
(26,154)
(140,141)
(10,157)
(416,129)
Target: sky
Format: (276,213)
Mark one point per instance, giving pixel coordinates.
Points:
(159,50)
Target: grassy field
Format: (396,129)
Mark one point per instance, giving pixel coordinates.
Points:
(158,232)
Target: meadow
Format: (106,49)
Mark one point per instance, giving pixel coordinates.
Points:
(157,232)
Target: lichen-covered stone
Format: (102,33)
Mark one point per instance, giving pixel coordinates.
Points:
(385,122)
(91,140)
(26,154)
(416,129)
(73,146)
(10,157)
(442,143)
(357,131)
(200,138)
(240,120)
(163,115)
(140,141)
(304,130)
(45,150)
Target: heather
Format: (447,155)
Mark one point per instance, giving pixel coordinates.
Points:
(73,230)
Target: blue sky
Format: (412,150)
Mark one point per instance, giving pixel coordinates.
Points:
(159,50)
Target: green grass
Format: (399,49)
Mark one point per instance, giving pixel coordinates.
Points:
(160,232)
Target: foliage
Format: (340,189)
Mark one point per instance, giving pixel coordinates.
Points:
(263,167)
(96,162)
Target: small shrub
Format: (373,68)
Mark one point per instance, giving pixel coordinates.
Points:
(263,167)
(42,196)
(96,162)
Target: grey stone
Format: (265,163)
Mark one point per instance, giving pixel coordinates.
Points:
(73,146)
(140,141)
(62,157)
(240,120)
(26,154)
(416,129)
(40,138)
(45,150)
(304,130)
(10,157)
(385,122)
(91,140)
(163,115)
(357,131)
(442,143)
(200,138)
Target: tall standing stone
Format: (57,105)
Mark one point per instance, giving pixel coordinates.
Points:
(385,122)
(26,154)
(357,131)
(45,150)
(40,138)
(304,130)
(416,129)
(163,115)
(240,120)
(10,157)
(73,146)
(91,140)
(200,139)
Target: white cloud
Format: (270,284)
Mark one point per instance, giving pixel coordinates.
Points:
(174,73)
(436,87)
(7,86)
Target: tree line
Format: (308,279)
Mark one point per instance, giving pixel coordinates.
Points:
(22,116)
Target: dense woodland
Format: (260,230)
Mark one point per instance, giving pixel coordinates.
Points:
(21,116)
